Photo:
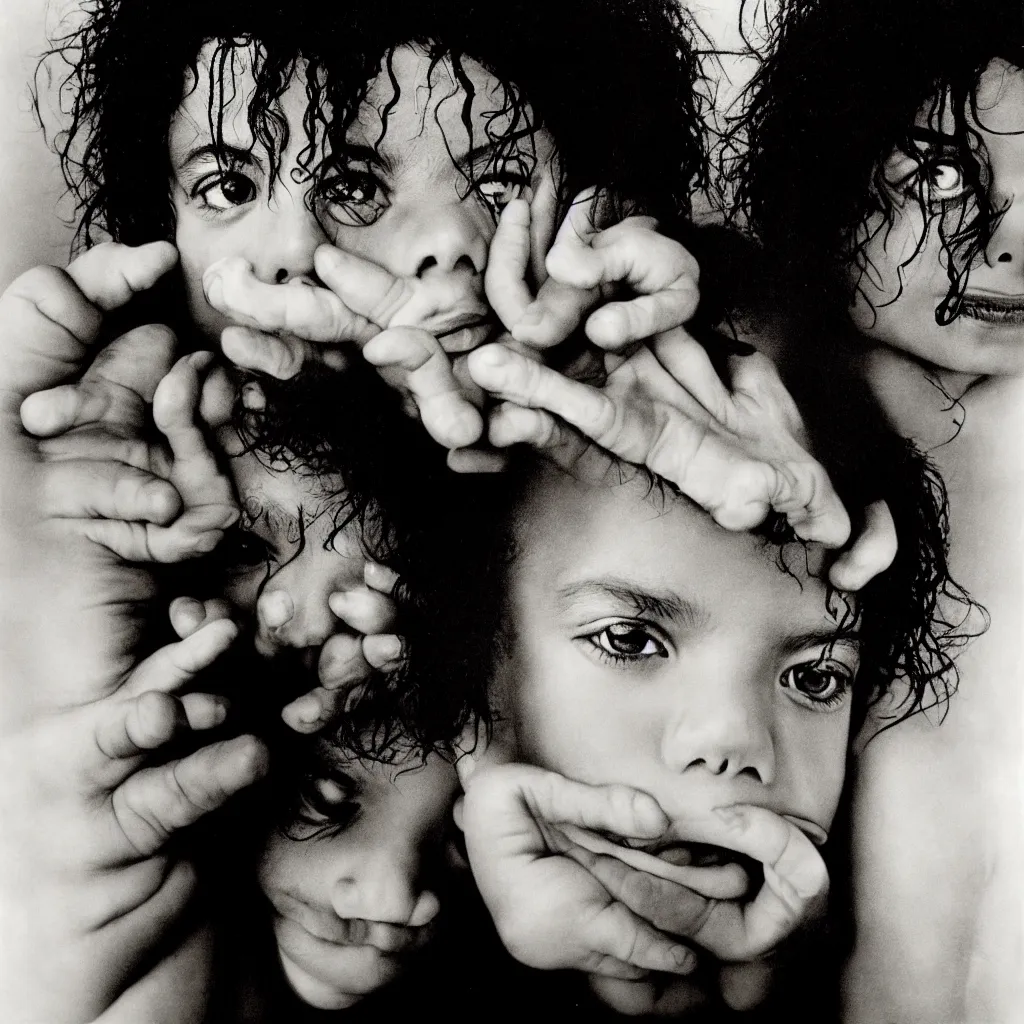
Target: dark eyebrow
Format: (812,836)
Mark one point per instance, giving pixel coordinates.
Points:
(930,135)
(663,604)
(488,148)
(366,154)
(797,642)
(228,155)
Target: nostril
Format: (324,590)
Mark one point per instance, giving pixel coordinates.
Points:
(281,276)
(427,263)
(1005,257)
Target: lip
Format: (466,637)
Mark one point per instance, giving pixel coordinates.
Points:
(462,331)
(993,308)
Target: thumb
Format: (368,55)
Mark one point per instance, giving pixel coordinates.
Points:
(50,318)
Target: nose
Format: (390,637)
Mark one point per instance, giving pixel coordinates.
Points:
(293,609)
(443,238)
(382,884)
(289,234)
(1006,246)
(722,727)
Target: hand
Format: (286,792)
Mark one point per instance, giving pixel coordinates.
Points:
(585,266)
(70,626)
(346,659)
(738,453)
(550,911)
(359,304)
(90,800)
(99,426)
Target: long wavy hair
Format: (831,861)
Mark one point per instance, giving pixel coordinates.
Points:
(836,92)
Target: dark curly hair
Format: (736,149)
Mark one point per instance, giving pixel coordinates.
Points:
(431,526)
(612,80)
(911,619)
(837,91)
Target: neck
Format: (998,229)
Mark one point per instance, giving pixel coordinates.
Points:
(921,400)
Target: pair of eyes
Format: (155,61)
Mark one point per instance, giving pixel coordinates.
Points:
(356,197)
(821,684)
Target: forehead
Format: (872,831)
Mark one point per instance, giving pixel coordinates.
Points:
(998,104)
(572,531)
(413,89)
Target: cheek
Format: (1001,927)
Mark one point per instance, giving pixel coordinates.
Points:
(200,244)
(815,764)
(243,591)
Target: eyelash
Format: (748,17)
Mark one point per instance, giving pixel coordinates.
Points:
(618,657)
(200,192)
(234,557)
(329,818)
(844,677)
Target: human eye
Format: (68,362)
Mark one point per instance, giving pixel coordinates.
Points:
(329,802)
(503,182)
(241,550)
(821,685)
(224,190)
(353,196)
(621,642)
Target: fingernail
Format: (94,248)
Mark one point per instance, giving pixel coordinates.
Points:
(684,958)
(306,710)
(253,397)
(385,646)
(275,608)
(532,317)
(492,355)
(730,816)
(214,288)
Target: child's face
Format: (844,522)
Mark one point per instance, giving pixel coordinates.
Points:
(401,196)
(351,905)
(285,558)
(424,179)
(653,648)
(987,335)
(234,207)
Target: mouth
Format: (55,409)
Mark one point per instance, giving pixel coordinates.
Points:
(993,309)
(462,332)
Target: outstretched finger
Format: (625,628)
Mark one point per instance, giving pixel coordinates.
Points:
(794,890)
(507,262)
(49,322)
(86,489)
(617,936)
(296,308)
(315,710)
(872,552)
(188,614)
(174,665)
(364,610)
(154,803)
(413,361)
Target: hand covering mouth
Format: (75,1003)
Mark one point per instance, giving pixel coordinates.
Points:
(992,308)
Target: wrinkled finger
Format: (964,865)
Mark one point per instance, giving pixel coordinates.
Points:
(571,260)
(140,724)
(507,262)
(617,933)
(77,489)
(723,882)
(554,798)
(296,308)
(803,492)
(373,295)
(188,614)
(109,274)
(674,997)
(341,663)
(414,361)
(315,710)
(794,890)
(476,460)
(384,652)
(555,314)
(872,552)
(687,361)
(380,578)
(97,444)
(217,401)
(204,710)
(512,377)
(154,803)
(256,350)
(174,665)
(364,610)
